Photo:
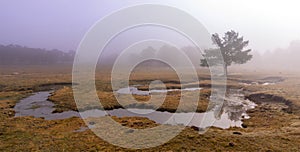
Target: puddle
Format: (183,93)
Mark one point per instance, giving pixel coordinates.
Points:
(265,81)
(274,79)
(38,106)
(234,110)
(226,120)
(135,91)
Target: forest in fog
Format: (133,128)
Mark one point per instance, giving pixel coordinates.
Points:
(281,58)
(19,55)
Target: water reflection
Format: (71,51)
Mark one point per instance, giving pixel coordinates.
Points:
(233,111)
(135,91)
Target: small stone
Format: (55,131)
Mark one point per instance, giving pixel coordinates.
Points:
(92,123)
(130,131)
(231,144)
(244,125)
(195,128)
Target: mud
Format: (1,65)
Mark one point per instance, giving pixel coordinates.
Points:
(260,98)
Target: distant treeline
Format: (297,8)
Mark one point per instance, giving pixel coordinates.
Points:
(19,55)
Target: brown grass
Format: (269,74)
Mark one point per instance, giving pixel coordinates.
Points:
(270,128)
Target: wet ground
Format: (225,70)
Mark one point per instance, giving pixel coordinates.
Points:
(133,90)
(264,81)
(38,106)
(232,113)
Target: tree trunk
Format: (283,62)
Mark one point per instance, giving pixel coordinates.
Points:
(225,70)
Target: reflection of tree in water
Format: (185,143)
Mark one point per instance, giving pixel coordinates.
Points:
(234,112)
(234,106)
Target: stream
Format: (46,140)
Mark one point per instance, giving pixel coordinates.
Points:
(234,110)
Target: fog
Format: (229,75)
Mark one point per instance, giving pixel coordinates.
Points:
(281,59)
(62,24)
(53,28)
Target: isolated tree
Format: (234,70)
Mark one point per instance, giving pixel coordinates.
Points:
(230,49)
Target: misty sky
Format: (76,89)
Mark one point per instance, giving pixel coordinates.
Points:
(62,24)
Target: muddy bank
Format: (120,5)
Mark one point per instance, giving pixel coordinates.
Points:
(260,98)
(273,79)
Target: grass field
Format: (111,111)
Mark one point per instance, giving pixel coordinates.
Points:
(274,124)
